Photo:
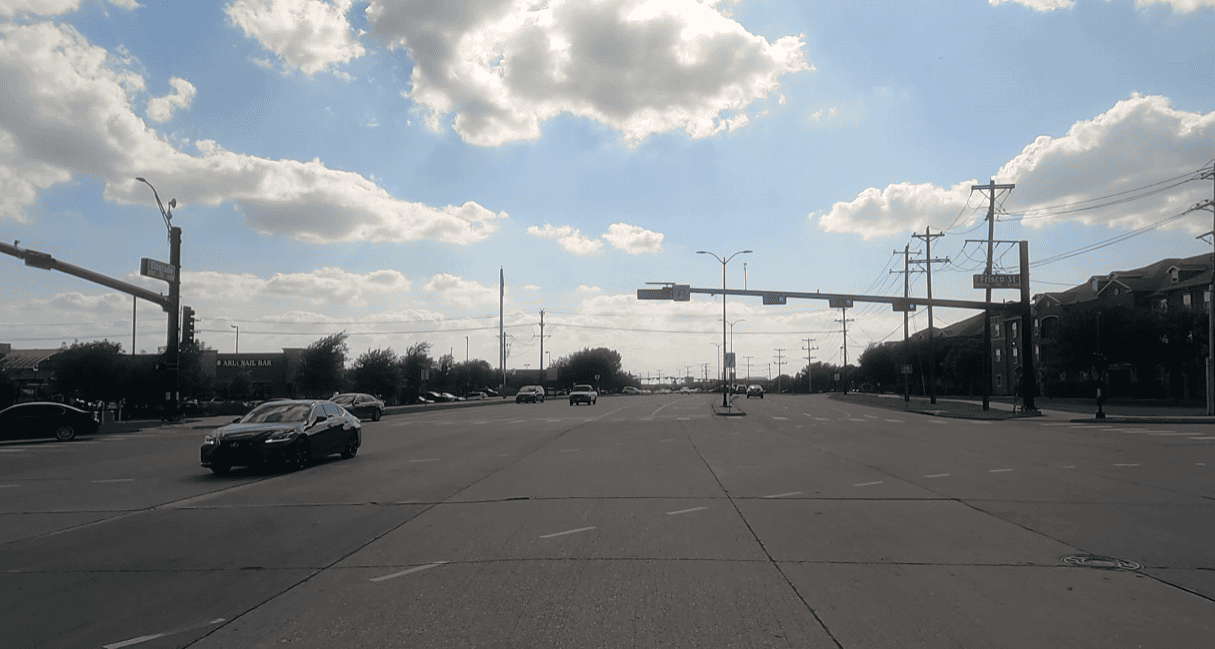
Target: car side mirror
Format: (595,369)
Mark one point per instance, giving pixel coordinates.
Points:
(320,418)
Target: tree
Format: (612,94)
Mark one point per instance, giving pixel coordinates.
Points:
(581,367)
(377,372)
(91,371)
(416,359)
(321,365)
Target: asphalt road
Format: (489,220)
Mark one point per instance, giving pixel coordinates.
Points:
(638,522)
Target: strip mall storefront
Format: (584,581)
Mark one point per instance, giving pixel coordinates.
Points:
(267,375)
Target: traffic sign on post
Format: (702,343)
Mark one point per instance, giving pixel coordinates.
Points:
(663,293)
(997,281)
(681,293)
(839,303)
(902,304)
(729,360)
(157,269)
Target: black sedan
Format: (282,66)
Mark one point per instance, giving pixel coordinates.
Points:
(363,406)
(45,419)
(287,433)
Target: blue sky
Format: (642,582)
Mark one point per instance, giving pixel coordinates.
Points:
(369,167)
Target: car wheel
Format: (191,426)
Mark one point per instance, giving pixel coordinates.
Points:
(220,469)
(65,433)
(376,414)
(351,448)
(300,455)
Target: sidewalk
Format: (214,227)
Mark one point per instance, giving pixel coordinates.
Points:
(1072,410)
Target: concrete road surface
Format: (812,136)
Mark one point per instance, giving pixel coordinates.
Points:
(641,521)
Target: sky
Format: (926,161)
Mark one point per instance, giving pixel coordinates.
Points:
(372,167)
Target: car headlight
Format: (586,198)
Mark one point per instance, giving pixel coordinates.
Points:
(211,440)
(278,438)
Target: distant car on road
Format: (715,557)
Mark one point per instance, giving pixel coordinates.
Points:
(629,389)
(363,406)
(530,394)
(583,394)
(45,419)
(474,396)
(755,391)
(287,433)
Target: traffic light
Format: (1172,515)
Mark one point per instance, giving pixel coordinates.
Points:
(187,325)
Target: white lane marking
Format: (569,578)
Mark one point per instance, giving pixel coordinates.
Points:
(661,407)
(1126,465)
(619,419)
(854,419)
(145,638)
(938,475)
(580,529)
(481,422)
(8,486)
(11,450)
(518,421)
(682,418)
(1204,437)
(999,470)
(113,480)
(782,418)
(1068,466)
(984,423)
(1195,464)
(684,511)
(790,493)
(406,572)
(895,421)
(937,421)
(433,459)
(867,484)
(872,417)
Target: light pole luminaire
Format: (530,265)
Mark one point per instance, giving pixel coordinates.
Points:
(237,328)
(725,386)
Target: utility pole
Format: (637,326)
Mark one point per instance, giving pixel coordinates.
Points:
(991,187)
(779,362)
(1209,205)
(809,360)
(907,251)
(748,368)
(501,327)
(844,319)
(928,236)
(542,345)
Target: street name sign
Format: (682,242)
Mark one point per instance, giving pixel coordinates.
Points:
(157,269)
(997,281)
(663,293)
(729,360)
(906,369)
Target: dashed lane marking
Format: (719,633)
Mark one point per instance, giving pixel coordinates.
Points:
(894,421)
(432,459)
(580,529)
(780,418)
(685,511)
(1126,464)
(12,450)
(937,421)
(1203,437)
(790,493)
(872,417)
(406,572)
(938,475)
(1068,466)
(8,486)
(683,418)
(999,470)
(867,484)
(113,480)
(146,638)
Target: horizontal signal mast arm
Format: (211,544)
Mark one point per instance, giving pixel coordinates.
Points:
(46,262)
(881,299)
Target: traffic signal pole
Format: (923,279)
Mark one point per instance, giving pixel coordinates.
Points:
(173,345)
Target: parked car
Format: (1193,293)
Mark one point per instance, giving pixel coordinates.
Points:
(363,406)
(437,397)
(451,397)
(530,394)
(287,433)
(755,391)
(475,396)
(45,419)
(583,394)
(491,393)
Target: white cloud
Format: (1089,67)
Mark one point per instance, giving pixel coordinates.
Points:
(589,290)
(321,287)
(79,303)
(1139,141)
(160,109)
(633,239)
(10,8)
(1184,6)
(531,287)
(639,66)
(67,110)
(569,238)
(309,35)
(456,290)
(1038,5)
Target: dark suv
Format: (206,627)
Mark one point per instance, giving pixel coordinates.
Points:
(530,394)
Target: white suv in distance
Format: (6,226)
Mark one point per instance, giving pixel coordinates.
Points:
(583,394)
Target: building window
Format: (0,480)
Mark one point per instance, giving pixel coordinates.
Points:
(1014,354)
(998,381)
(1012,329)
(1038,351)
(995,330)
(1037,327)
(998,350)
(1164,305)
(1185,299)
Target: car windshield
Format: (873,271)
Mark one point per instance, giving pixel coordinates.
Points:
(343,399)
(278,412)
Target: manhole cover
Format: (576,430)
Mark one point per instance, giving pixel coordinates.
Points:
(1102,563)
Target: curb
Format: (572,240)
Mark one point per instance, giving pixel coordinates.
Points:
(1145,420)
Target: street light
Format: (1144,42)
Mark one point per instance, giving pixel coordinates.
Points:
(725,386)
(237,337)
(171,396)
(732,344)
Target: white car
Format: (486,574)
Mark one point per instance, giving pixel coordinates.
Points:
(583,394)
(628,389)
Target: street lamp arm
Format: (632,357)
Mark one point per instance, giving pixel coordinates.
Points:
(166,215)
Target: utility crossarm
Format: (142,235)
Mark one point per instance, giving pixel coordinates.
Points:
(46,262)
(775,297)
